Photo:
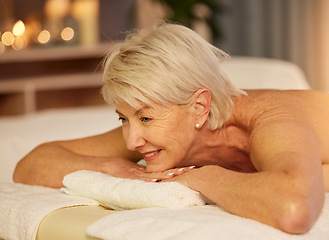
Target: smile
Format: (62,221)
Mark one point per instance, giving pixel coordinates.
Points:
(150,155)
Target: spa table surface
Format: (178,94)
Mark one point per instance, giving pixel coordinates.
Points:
(70,223)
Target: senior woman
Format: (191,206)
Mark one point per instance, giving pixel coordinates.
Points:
(260,154)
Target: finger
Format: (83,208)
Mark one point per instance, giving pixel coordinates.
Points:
(159,176)
(152,180)
(190,168)
(155,177)
(180,171)
(144,178)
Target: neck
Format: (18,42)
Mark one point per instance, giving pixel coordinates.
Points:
(219,147)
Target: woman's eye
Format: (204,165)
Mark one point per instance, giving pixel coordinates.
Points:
(122,120)
(145,119)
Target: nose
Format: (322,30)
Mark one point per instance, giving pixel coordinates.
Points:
(134,139)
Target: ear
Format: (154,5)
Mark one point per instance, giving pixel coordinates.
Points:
(202,100)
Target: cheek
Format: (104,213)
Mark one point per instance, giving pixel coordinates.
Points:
(175,131)
(181,139)
(124,133)
(166,136)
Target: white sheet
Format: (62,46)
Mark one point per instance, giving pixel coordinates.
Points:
(23,207)
(205,222)
(19,135)
(121,194)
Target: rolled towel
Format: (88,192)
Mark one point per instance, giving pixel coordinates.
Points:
(122,194)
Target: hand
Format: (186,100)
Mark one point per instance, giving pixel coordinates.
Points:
(119,167)
(184,176)
(175,172)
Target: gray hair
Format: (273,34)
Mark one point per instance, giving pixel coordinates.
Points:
(168,64)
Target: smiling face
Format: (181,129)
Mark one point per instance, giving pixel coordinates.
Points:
(164,135)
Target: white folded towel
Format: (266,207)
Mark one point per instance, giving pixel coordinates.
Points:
(204,222)
(22,208)
(120,193)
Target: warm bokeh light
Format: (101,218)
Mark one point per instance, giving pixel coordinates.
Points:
(56,9)
(7,38)
(85,12)
(67,34)
(19,43)
(44,37)
(19,28)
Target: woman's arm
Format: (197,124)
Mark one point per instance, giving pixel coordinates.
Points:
(288,190)
(48,163)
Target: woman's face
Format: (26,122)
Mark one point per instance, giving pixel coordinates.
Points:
(163,135)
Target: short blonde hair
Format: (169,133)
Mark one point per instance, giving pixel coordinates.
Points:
(168,64)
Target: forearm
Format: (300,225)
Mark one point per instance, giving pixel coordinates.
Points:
(49,163)
(274,198)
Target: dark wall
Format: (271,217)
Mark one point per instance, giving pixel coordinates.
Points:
(116,16)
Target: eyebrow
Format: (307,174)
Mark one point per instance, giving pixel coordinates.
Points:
(118,112)
(137,111)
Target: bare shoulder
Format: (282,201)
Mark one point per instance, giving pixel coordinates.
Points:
(267,105)
(289,94)
(287,115)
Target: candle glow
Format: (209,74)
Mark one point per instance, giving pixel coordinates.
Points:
(44,37)
(67,34)
(19,28)
(19,43)
(8,38)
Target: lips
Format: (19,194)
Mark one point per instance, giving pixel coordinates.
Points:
(150,156)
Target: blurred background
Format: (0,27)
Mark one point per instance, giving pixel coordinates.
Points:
(51,50)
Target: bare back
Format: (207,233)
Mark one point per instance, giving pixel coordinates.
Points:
(312,107)
(309,108)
